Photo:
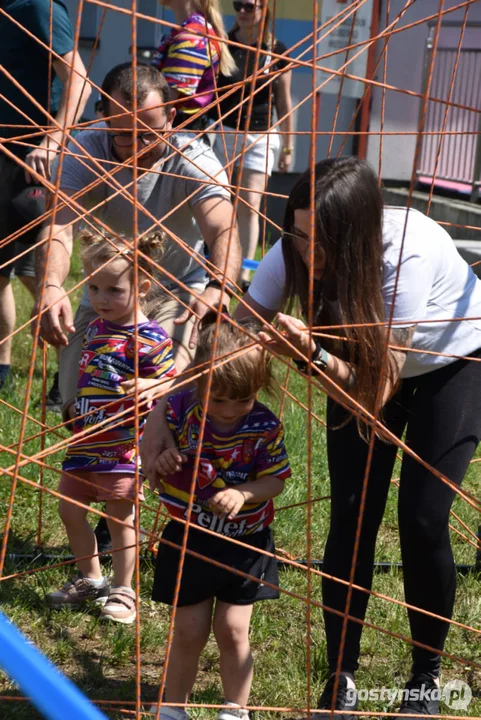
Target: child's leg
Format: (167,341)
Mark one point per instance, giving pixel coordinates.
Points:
(81,538)
(123,562)
(192,630)
(231,630)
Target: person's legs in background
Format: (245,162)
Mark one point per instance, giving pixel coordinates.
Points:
(7,255)
(253,183)
(257,156)
(7,325)
(25,271)
(20,204)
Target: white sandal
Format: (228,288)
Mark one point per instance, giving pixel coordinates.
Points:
(120,606)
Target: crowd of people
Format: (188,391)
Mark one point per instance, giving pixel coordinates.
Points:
(162,238)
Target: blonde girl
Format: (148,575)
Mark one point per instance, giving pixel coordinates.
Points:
(101,465)
(192,55)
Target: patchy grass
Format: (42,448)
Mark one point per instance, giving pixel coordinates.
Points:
(103,660)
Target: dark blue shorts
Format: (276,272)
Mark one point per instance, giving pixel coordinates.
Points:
(202,579)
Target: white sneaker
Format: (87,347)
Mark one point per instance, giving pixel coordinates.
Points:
(120,606)
(233,712)
(169,713)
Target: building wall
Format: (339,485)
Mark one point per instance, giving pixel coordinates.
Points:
(114,29)
(405,61)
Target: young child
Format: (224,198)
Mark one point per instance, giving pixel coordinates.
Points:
(107,458)
(243,466)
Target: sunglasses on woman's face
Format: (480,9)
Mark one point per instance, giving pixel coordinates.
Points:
(246,7)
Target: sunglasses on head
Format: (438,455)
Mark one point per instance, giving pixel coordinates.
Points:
(247,7)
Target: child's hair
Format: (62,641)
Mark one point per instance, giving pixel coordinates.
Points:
(243,375)
(98,248)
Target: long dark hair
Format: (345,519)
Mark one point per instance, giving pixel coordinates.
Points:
(348,208)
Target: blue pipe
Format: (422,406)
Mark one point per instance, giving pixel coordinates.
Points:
(54,696)
(250,264)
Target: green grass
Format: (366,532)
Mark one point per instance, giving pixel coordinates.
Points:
(101,659)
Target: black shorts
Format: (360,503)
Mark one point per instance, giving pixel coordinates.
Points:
(202,580)
(12,186)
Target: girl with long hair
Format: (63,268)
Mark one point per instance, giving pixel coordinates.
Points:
(191,56)
(407,349)
(246,135)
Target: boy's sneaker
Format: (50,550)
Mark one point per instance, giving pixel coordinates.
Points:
(79,591)
(422,696)
(169,713)
(346,700)
(120,606)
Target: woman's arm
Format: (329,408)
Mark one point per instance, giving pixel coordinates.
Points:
(338,371)
(283,103)
(249,308)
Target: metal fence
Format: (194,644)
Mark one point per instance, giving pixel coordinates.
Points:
(453,153)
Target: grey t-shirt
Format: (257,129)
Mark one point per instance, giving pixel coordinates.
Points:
(161,191)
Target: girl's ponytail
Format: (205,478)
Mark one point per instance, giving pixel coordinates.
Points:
(211,11)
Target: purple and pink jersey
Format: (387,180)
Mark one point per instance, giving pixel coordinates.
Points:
(254,449)
(189,62)
(107,360)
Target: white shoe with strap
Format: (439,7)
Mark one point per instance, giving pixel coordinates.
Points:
(120,606)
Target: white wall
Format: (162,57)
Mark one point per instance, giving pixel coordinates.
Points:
(115,36)
(405,60)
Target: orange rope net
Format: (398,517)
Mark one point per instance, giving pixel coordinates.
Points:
(31,461)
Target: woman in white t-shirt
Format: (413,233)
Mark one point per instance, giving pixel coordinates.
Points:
(406,311)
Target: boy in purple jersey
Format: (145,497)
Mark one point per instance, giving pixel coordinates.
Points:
(101,460)
(243,466)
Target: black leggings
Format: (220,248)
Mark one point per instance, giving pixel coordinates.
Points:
(442,412)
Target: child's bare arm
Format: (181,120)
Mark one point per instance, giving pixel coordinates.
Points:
(170,461)
(230,501)
(147,388)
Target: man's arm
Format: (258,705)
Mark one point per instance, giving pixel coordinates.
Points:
(215,218)
(52,266)
(71,107)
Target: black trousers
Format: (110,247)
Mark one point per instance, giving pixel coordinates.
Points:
(441,412)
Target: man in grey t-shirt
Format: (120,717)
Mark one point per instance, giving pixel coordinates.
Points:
(181,190)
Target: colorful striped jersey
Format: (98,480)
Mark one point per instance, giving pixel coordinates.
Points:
(253,450)
(107,360)
(190,62)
